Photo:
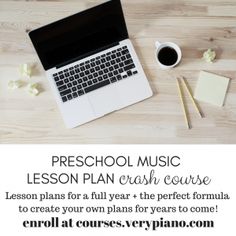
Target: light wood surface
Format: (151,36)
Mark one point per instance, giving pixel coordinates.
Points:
(195,25)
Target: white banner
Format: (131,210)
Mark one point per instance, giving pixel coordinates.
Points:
(129,189)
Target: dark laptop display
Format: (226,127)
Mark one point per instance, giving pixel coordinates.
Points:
(80,35)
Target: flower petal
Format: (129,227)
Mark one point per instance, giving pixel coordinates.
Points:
(209,55)
(25,70)
(14,84)
(33,89)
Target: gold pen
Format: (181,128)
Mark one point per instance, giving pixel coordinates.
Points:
(183,104)
(192,98)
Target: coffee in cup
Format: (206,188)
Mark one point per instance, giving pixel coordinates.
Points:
(168,55)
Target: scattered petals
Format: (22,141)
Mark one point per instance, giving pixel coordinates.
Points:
(209,55)
(14,84)
(25,70)
(33,89)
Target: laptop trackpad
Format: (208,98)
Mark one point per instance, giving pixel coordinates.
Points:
(105,100)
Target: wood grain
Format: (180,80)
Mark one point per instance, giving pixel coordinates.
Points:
(195,25)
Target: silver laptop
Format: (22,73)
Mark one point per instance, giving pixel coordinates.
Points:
(91,64)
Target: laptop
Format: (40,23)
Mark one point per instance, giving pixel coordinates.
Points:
(91,64)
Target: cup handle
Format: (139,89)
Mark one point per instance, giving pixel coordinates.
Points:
(157,44)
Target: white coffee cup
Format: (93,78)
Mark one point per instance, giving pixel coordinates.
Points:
(160,47)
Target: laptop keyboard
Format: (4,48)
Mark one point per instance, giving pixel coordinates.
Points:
(95,73)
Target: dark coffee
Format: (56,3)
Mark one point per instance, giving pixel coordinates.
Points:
(167,56)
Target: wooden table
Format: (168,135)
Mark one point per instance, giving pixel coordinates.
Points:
(195,25)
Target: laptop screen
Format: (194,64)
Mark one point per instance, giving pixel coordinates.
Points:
(71,38)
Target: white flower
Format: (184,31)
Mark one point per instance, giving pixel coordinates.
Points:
(209,55)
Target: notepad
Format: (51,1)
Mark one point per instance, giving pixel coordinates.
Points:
(211,88)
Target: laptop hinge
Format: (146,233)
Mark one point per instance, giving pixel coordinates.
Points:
(87,55)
